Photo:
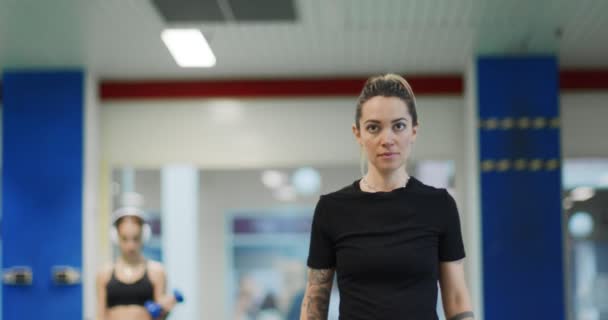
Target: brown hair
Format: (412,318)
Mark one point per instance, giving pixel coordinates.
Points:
(387,85)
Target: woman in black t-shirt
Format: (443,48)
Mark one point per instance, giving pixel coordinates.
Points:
(388,237)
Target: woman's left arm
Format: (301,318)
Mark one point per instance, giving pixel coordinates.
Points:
(159,279)
(454,292)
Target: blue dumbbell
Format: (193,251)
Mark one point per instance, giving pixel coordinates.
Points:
(156,310)
(153,308)
(179,297)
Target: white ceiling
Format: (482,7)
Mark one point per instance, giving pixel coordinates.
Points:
(120,39)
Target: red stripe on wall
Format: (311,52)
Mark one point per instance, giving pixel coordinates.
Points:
(570,80)
(422,85)
(583,80)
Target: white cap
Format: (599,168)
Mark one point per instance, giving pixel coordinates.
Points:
(128,212)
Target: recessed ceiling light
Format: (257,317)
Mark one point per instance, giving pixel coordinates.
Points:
(189,48)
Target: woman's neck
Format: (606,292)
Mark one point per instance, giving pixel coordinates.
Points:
(378,181)
(132,262)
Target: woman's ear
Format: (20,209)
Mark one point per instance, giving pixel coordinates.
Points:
(414,133)
(357,133)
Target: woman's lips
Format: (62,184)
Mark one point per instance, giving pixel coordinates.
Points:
(388,155)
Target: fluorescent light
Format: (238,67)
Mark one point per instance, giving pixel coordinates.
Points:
(189,48)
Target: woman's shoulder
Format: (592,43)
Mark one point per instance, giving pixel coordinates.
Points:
(347,191)
(156,272)
(155,267)
(420,187)
(104,272)
(436,197)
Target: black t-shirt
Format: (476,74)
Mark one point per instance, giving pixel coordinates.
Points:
(386,248)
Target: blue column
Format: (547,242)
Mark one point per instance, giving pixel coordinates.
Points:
(42,189)
(521,216)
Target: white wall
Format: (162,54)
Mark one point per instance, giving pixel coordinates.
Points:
(584,124)
(258,132)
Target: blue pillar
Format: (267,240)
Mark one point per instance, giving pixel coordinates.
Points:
(42,189)
(521,215)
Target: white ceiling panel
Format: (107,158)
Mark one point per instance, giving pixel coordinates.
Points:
(120,39)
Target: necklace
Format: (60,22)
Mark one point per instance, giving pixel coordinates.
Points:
(364,181)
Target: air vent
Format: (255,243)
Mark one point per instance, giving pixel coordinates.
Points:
(213,11)
(263,10)
(189,11)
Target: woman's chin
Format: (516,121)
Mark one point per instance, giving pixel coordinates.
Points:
(386,168)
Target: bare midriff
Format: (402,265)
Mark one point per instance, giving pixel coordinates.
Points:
(132,312)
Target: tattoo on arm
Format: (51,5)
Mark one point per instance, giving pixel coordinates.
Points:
(468,315)
(320,276)
(317,293)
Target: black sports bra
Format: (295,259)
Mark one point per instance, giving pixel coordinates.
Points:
(137,293)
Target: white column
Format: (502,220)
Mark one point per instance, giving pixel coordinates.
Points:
(470,183)
(180,241)
(127,182)
(90,193)
(1,168)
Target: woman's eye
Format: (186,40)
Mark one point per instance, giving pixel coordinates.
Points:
(400,126)
(372,128)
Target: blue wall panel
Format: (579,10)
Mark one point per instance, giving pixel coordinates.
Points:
(521,208)
(42,189)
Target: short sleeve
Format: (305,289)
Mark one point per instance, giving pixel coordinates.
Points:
(451,247)
(321,254)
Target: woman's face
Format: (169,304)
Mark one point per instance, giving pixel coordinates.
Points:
(129,238)
(386,133)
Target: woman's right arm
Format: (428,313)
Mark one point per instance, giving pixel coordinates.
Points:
(101,281)
(316,299)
